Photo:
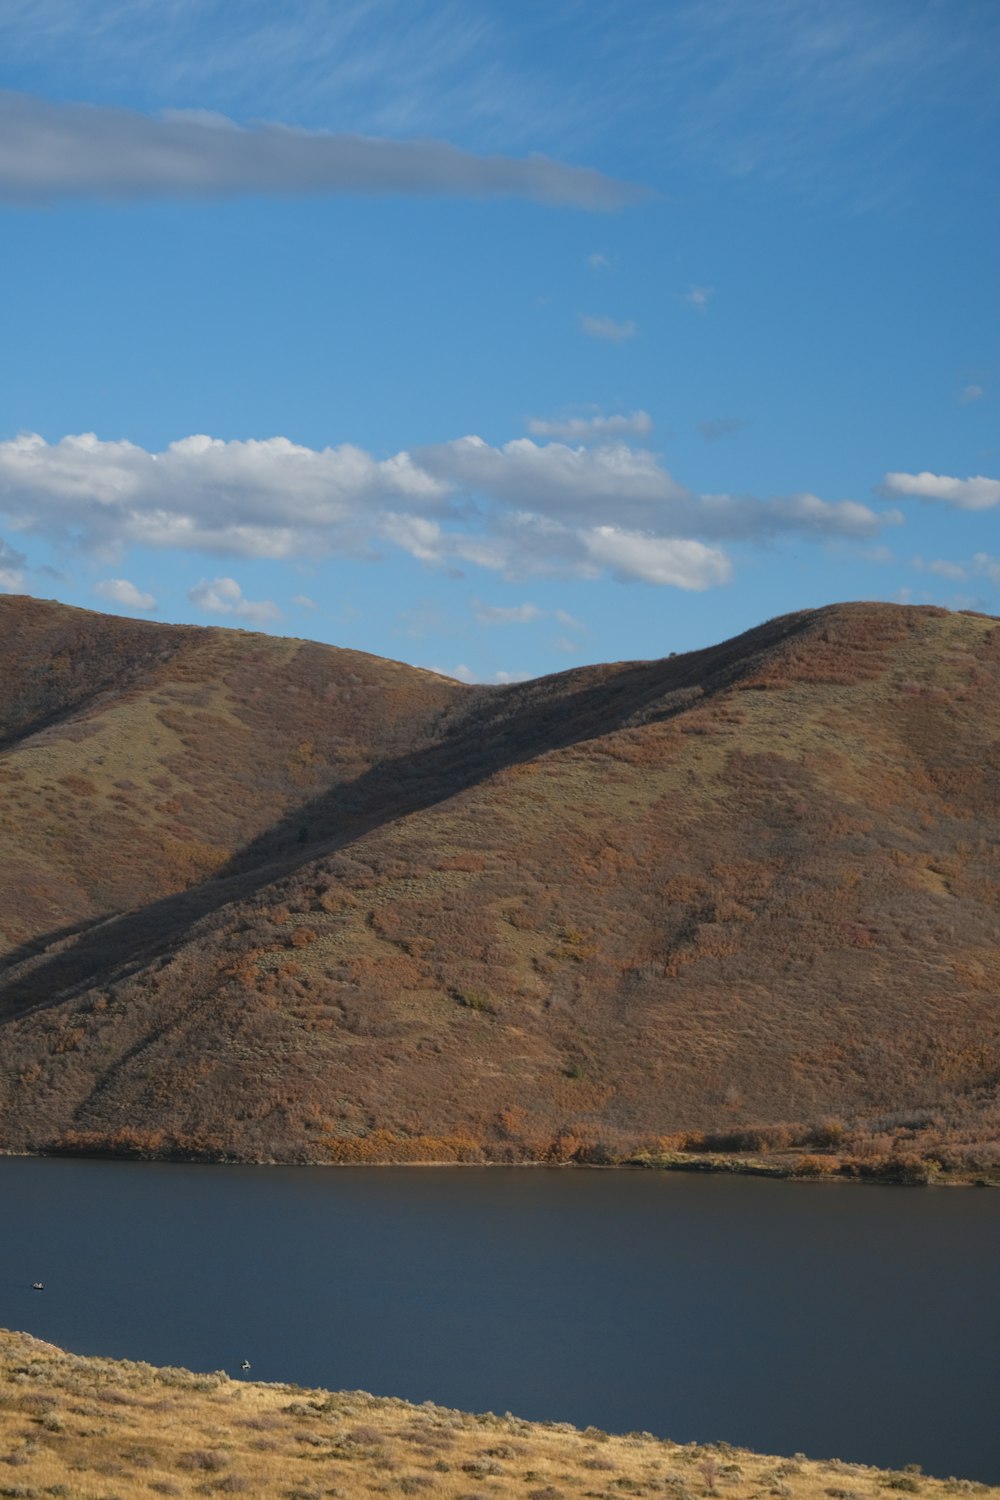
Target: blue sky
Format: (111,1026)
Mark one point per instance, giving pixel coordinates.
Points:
(499,337)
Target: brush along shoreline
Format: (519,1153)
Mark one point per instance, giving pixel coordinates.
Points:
(70,1424)
(902,1171)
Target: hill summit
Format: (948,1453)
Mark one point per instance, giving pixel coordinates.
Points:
(271,900)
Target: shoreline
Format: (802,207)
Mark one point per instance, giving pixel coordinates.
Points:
(706,1163)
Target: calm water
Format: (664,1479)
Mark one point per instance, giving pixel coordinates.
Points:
(862,1323)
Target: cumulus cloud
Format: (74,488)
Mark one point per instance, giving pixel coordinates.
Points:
(521,509)
(121,591)
(975,493)
(50,151)
(11,568)
(672,560)
(591,429)
(223,596)
(597,326)
(248,499)
(699,297)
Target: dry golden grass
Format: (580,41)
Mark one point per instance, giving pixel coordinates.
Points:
(100,1429)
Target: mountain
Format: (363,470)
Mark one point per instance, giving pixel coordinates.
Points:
(268,899)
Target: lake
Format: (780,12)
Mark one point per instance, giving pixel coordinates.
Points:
(844,1321)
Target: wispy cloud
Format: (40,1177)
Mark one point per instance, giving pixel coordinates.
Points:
(121,591)
(522,614)
(598,262)
(699,297)
(981,565)
(11,568)
(714,428)
(975,493)
(513,614)
(522,509)
(597,326)
(971,393)
(592,429)
(52,151)
(224,596)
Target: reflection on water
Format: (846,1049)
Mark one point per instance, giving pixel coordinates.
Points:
(839,1320)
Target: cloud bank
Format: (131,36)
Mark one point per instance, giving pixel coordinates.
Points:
(52,151)
(521,509)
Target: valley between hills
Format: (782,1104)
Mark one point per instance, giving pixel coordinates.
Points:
(270,900)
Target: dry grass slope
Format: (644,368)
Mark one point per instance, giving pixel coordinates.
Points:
(275,901)
(90,1429)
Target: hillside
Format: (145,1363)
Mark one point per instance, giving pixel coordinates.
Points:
(272,900)
(71,1424)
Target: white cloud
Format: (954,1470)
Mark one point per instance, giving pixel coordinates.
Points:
(50,151)
(121,591)
(303,601)
(971,393)
(699,297)
(598,262)
(590,429)
(11,568)
(223,596)
(597,326)
(632,555)
(975,493)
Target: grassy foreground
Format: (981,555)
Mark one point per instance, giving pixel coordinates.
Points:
(102,1429)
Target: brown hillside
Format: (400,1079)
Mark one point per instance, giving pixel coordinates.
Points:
(750,885)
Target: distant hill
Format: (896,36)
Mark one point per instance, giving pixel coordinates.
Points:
(268,899)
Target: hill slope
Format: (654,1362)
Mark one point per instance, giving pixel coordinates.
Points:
(169,1431)
(402,919)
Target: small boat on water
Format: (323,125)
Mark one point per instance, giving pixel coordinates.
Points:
(38,1286)
(245,1365)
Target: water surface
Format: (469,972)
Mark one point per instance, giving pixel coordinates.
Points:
(839,1320)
